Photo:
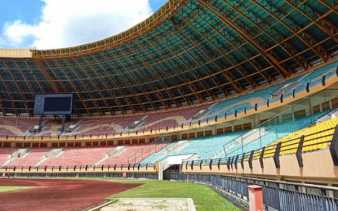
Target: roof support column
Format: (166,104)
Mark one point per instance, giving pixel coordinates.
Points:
(51,80)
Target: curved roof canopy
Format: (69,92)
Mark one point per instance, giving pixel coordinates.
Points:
(189,52)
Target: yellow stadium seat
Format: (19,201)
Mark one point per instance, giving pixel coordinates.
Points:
(316,137)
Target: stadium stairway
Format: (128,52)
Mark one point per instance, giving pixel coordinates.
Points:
(110,154)
(19,153)
(5,155)
(51,154)
(30,158)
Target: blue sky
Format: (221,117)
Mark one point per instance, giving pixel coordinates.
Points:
(47,24)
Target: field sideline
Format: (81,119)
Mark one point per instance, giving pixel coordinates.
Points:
(12,188)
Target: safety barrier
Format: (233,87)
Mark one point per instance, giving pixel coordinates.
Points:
(277,195)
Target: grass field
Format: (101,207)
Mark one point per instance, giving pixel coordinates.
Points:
(205,198)
(11,188)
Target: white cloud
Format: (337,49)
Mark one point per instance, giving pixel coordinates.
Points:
(17,31)
(65,23)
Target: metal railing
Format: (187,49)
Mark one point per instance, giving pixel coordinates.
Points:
(78,168)
(283,196)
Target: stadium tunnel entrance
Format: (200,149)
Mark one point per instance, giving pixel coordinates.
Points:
(172,173)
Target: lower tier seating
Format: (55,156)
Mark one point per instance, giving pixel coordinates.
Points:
(133,154)
(316,137)
(77,156)
(202,148)
(5,155)
(269,134)
(30,158)
(231,144)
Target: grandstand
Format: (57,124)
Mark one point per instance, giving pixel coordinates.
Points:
(228,93)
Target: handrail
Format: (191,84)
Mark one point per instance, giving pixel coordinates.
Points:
(150,165)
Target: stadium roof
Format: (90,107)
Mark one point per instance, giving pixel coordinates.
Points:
(189,52)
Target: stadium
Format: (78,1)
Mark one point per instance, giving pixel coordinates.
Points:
(205,105)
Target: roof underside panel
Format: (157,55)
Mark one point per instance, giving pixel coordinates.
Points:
(189,52)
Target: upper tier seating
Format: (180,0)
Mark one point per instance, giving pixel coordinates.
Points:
(171,118)
(20,126)
(229,106)
(248,101)
(103,125)
(10,126)
(313,78)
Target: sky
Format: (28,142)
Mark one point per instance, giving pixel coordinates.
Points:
(45,24)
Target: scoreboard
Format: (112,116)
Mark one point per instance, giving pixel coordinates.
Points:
(53,104)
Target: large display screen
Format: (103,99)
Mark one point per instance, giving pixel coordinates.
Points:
(57,104)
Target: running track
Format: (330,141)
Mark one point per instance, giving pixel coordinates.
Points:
(55,194)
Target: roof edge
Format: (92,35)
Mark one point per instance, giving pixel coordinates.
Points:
(16,53)
(151,22)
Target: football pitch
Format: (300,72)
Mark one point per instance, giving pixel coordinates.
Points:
(204,197)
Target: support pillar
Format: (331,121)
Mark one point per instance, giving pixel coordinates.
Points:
(334,147)
(255,198)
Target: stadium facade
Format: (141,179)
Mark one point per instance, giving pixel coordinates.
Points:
(228,93)
(187,53)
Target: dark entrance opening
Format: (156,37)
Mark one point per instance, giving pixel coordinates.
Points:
(173,172)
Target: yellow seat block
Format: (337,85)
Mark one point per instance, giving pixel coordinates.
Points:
(317,137)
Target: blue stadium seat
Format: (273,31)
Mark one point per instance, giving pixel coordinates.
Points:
(231,143)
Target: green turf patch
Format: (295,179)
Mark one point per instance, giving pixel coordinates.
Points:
(12,188)
(204,197)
